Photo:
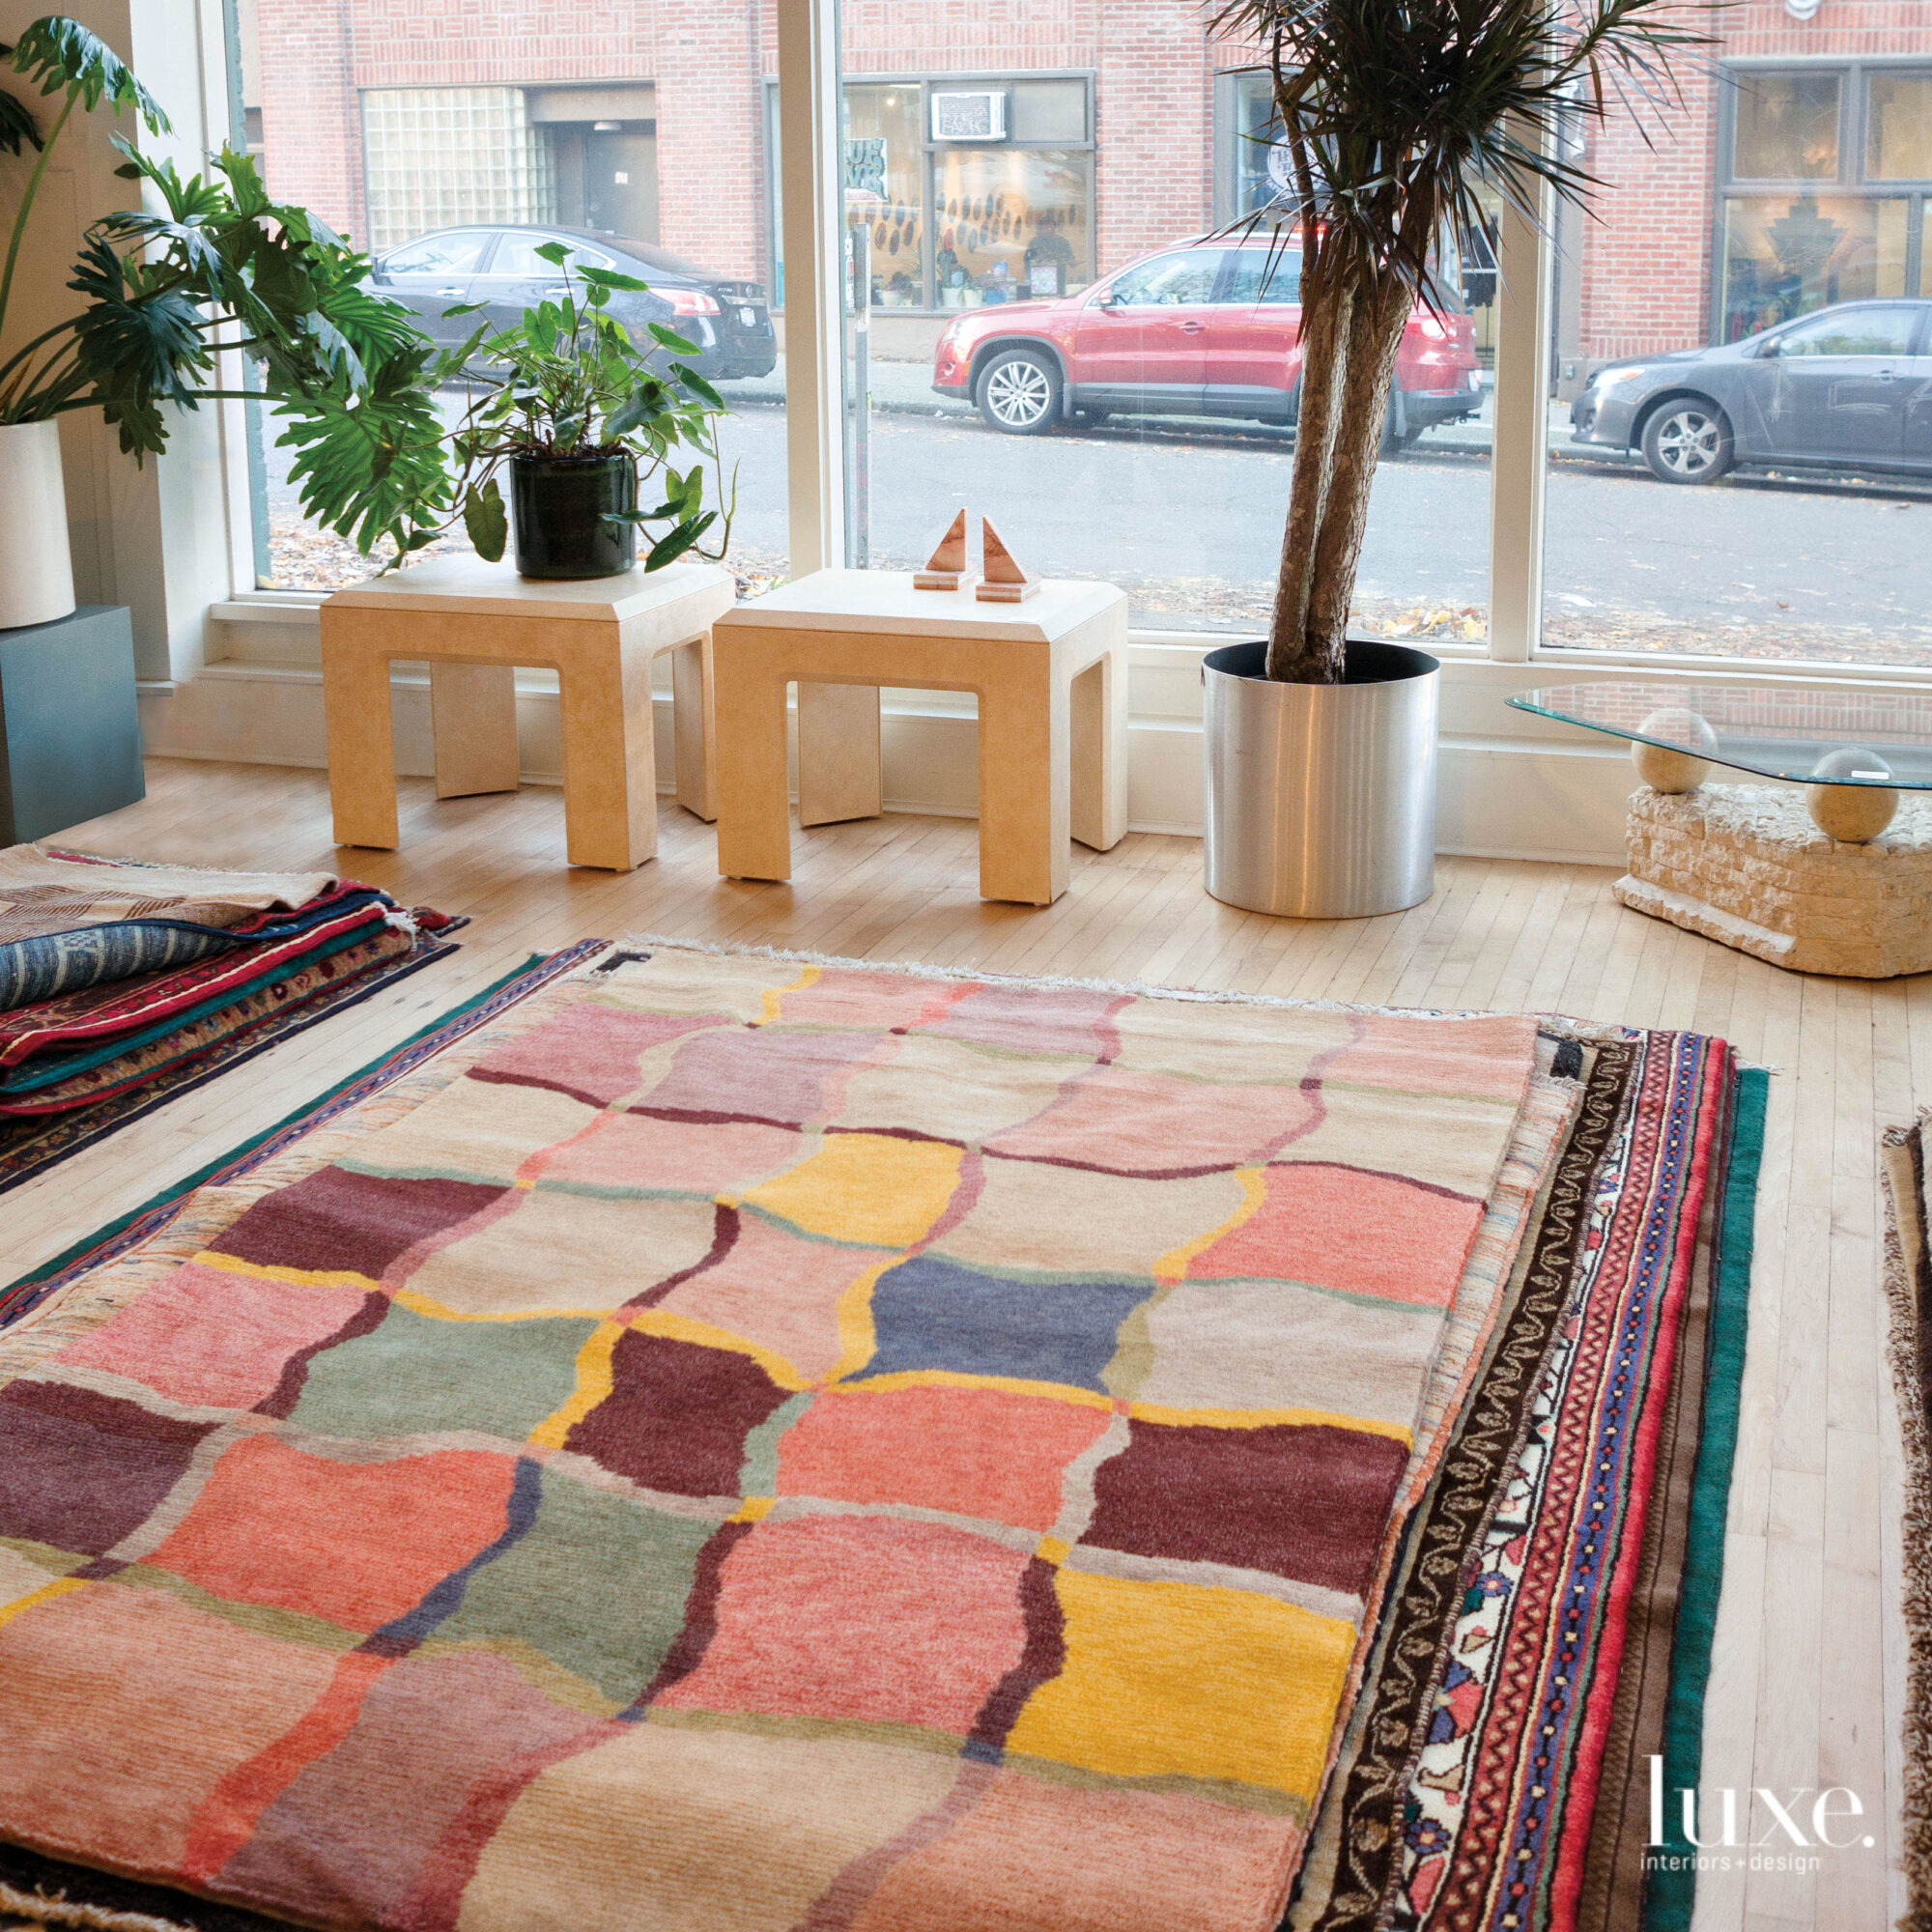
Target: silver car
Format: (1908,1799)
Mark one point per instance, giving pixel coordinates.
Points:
(1845,387)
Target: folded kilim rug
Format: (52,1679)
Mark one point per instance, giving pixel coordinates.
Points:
(739,1442)
(1908,1285)
(69,919)
(1549,1614)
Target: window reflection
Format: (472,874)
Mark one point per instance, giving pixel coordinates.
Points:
(1787,127)
(1898,127)
(1783,255)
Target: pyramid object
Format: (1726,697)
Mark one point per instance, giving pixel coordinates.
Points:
(946,564)
(1004,581)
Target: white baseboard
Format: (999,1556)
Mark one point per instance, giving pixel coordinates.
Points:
(1516,794)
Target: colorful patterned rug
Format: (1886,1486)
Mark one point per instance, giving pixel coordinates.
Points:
(1550,1616)
(742,1443)
(806,1446)
(1907,1287)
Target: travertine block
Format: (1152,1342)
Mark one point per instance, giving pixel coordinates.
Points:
(1746,864)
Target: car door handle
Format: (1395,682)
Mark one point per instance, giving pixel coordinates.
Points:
(456,290)
(1192,328)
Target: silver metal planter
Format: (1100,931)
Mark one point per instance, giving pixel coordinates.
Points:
(1321,798)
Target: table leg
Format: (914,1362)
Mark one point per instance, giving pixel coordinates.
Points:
(694,709)
(1024,759)
(1099,776)
(839,774)
(754,811)
(472,712)
(609,771)
(361,742)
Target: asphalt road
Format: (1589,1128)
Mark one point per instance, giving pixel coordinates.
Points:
(1188,519)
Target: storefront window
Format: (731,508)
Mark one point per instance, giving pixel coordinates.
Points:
(884,157)
(1011,223)
(1898,127)
(1787,127)
(1787,254)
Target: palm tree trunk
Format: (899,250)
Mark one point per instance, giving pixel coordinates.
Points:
(1375,336)
(1324,371)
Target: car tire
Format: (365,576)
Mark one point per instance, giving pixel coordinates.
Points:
(1687,440)
(1018,392)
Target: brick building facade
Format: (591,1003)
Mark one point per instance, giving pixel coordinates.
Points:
(1650,270)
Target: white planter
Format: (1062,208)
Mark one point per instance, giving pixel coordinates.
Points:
(36,565)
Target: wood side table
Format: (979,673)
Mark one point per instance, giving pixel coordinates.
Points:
(1050,674)
(474,622)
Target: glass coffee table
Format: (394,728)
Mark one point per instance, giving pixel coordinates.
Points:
(1837,878)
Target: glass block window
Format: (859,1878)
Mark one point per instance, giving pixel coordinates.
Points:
(438,156)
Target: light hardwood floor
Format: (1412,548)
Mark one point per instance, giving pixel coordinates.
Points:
(1810,1653)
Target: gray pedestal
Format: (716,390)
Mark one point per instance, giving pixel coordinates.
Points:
(69,734)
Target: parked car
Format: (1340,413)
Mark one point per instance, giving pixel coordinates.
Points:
(499,267)
(1845,387)
(1207,328)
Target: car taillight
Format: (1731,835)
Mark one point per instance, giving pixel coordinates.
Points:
(689,301)
(1431,329)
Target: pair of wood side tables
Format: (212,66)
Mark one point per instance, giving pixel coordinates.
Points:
(1050,675)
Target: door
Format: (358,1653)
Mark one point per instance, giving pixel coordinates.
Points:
(1839,382)
(517,277)
(1140,340)
(1254,333)
(431,274)
(620,179)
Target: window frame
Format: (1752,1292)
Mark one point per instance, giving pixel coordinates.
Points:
(1849,184)
(927,83)
(1518,465)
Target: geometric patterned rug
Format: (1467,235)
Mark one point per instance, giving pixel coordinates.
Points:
(734,1441)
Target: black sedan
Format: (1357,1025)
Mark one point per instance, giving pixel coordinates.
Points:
(1845,387)
(500,268)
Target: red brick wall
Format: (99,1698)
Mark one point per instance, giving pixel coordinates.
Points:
(1645,258)
(1153,118)
(711,142)
(311,120)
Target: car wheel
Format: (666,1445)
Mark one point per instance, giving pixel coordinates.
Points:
(1687,441)
(1019,392)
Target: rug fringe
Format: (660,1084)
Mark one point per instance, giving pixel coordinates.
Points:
(1219,996)
(39,1909)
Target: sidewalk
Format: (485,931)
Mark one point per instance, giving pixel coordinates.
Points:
(905,389)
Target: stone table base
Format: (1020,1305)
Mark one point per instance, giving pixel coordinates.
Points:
(1744,864)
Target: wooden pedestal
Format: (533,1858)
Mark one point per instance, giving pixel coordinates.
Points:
(474,622)
(1051,677)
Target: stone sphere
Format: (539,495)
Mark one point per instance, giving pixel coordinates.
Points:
(1669,771)
(1853,814)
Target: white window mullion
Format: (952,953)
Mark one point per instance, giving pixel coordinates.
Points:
(1523,256)
(809,158)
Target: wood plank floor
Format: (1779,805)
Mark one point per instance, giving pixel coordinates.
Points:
(1807,1683)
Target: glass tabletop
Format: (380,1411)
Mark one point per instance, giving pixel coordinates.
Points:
(1875,738)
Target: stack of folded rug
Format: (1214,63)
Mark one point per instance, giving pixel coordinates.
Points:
(122,982)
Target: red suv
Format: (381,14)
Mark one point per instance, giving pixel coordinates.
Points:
(1209,328)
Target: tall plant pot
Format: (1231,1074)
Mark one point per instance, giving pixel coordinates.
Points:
(1321,798)
(36,565)
(561,507)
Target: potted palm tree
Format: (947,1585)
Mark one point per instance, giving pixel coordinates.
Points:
(1320,748)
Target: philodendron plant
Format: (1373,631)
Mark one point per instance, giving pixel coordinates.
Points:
(1394,115)
(212,265)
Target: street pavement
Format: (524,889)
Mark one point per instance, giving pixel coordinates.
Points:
(1187,517)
